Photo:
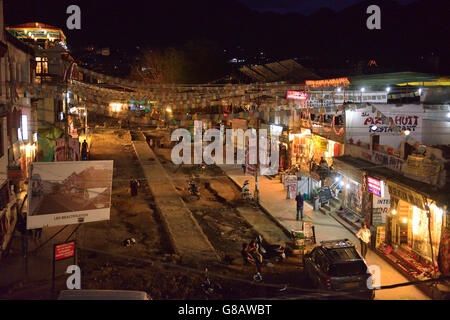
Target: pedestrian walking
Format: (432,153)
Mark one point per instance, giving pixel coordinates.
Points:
(134,184)
(364,236)
(300,200)
(244,168)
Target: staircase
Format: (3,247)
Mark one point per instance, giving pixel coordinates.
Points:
(332,205)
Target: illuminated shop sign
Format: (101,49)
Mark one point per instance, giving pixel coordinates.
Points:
(297,95)
(374,186)
(328,82)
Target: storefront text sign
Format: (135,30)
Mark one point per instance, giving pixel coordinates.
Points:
(65,250)
(374,186)
(405,194)
(297,95)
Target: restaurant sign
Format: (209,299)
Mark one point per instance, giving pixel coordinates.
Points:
(407,195)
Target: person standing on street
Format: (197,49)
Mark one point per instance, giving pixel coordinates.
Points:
(134,184)
(364,236)
(84,148)
(299,199)
(244,168)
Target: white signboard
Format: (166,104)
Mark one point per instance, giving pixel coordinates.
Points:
(69,192)
(377,120)
(381,208)
(327,98)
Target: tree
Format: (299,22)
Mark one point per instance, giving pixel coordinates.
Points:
(198,61)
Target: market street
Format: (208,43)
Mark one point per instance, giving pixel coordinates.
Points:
(273,199)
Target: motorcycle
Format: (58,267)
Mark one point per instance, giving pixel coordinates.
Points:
(211,290)
(245,192)
(193,189)
(269,251)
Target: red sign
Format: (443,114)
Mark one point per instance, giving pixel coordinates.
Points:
(297,95)
(374,186)
(65,250)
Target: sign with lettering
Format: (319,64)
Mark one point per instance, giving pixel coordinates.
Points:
(374,186)
(325,194)
(381,207)
(381,236)
(405,194)
(385,121)
(64,250)
(297,95)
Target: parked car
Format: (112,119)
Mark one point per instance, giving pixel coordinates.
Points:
(337,266)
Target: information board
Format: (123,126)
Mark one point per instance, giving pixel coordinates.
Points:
(325,194)
(65,250)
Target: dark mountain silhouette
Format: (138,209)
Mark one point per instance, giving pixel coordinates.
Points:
(412,37)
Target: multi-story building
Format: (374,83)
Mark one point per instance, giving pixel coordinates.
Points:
(18,129)
(392,171)
(56,104)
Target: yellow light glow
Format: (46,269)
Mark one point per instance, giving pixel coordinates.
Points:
(405,220)
(394,212)
(415,220)
(115,107)
(168,109)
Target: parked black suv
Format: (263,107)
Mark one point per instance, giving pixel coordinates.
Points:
(337,266)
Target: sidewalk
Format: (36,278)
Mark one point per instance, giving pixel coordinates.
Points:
(273,200)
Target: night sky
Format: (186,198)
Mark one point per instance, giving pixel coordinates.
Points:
(305,7)
(412,35)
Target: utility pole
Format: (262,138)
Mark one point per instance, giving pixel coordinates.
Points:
(66,124)
(67,76)
(258,126)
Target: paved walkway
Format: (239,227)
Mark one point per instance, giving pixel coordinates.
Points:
(186,235)
(273,200)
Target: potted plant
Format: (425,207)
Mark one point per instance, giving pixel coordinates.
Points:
(350,141)
(390,151)
(359,143)
(377,148)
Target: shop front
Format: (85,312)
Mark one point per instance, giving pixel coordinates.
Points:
(356,200)
(414,226)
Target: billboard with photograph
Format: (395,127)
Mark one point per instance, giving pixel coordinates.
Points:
(70,192)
